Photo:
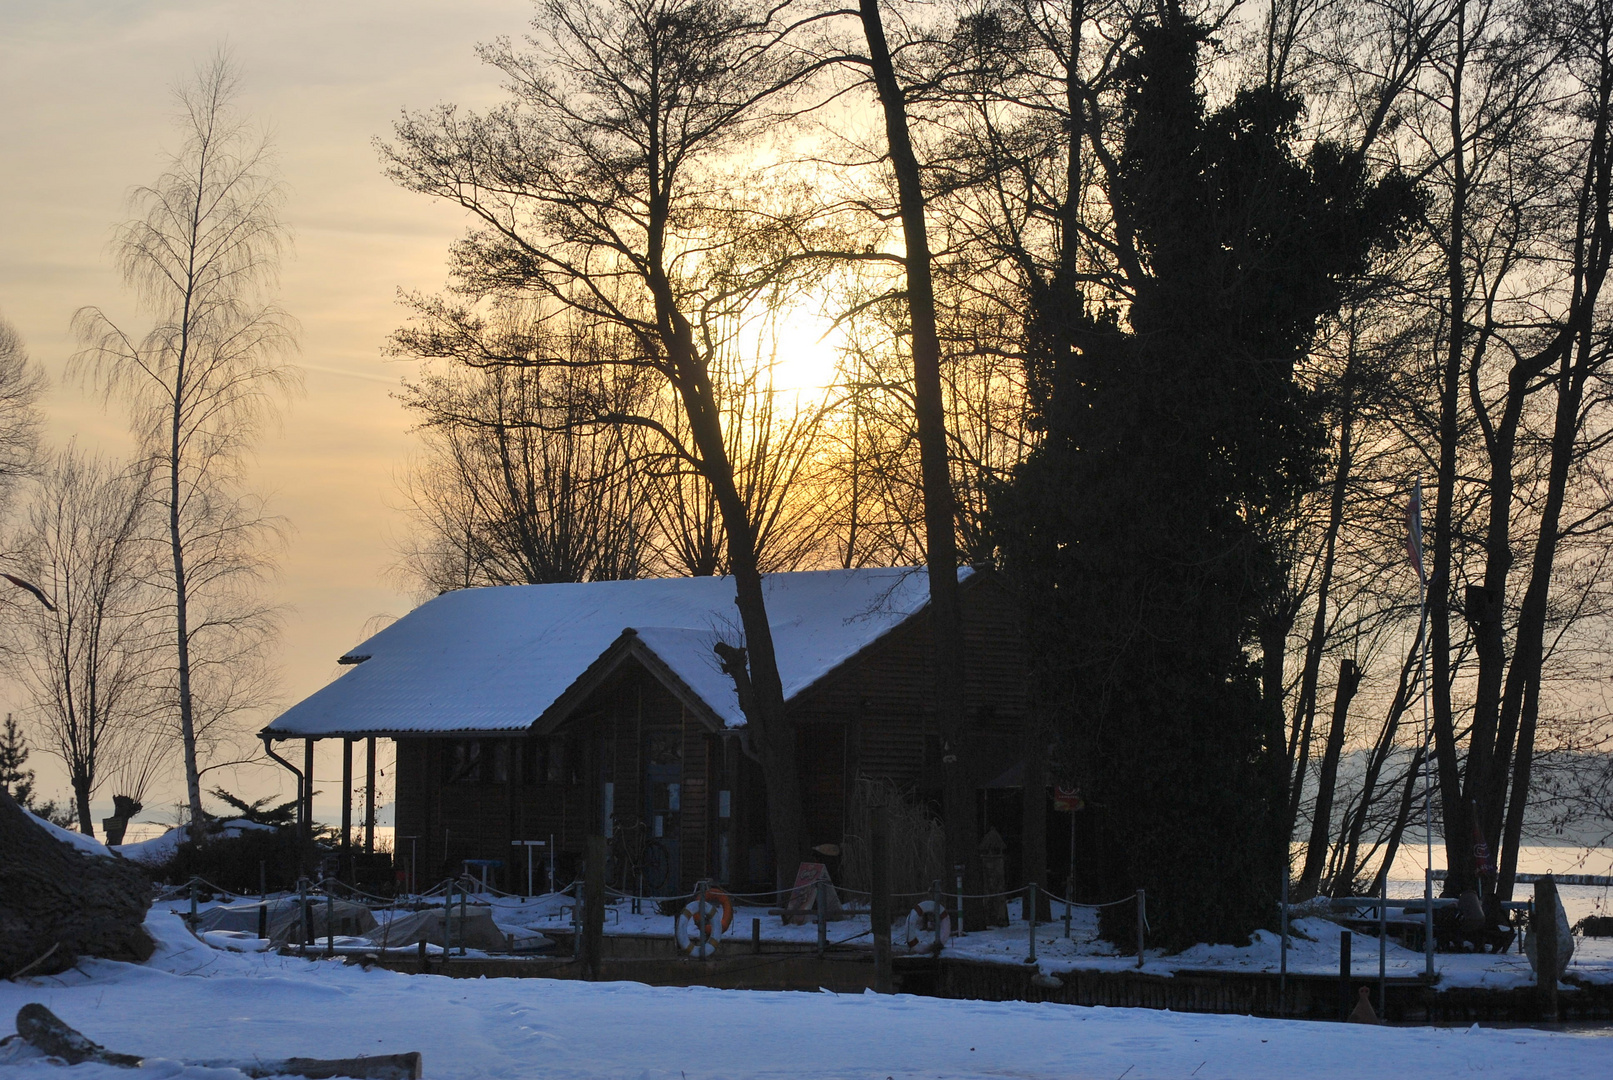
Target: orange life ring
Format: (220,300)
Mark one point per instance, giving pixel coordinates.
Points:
(926,918)
(697,930)
(716,896)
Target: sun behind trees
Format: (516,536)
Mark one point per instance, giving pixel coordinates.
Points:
(603,196)
(1199,265)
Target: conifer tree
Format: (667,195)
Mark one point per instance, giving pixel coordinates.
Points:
(1176,434)
(14,777)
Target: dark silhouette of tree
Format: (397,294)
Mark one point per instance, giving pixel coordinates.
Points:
(1175,426)
(605,188)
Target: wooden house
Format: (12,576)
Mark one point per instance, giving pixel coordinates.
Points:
(547,712)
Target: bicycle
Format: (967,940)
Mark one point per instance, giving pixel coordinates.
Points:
(638,864)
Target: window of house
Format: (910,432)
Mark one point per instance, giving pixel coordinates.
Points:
(476,761)
(462,761)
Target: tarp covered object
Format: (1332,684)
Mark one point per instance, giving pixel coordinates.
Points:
(475,931)
(340,917)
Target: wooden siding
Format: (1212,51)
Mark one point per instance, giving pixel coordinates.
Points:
(882,704)
(604,743)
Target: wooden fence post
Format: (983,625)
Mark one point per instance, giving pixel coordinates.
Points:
(593,927)
(1543,923)
(1346,999)
(823,917)
(879,903)
(1142,924)
(1030,919)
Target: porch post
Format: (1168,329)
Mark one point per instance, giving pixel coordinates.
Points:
(347,808)
(369,798)
(307,808)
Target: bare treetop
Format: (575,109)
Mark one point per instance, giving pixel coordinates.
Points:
(203,257)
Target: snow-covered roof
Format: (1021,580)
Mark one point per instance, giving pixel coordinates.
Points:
(496,659)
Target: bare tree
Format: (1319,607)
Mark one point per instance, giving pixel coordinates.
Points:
(929,410)
(607,188)
(90,663)
(202,256)
(517,486)
(21,383)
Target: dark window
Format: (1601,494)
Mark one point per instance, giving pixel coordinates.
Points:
(462,761)
(476,761)
(534,766)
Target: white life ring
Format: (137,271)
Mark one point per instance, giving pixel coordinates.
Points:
(922,921)
(698,936)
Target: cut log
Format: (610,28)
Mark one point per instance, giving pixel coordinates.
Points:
(44,1030)
(58,903)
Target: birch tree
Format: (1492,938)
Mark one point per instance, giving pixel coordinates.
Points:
(202,256)
(20,385)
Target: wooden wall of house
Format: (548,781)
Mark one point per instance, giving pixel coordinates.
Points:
(532,787)
(875,715)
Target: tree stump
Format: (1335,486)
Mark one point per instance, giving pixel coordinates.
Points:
(58,903)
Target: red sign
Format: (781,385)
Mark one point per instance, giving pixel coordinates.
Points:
(805,894)
(1068,800)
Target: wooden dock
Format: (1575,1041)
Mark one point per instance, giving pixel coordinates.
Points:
(654,961)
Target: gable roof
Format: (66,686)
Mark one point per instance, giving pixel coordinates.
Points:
(499,658)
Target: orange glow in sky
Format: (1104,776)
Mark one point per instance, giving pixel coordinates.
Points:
(84,110)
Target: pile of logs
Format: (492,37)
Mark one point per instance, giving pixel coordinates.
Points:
(58,903)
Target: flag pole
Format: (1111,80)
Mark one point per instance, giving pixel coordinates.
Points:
(1428,818)
(1414,552)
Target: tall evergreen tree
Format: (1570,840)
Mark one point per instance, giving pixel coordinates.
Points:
(15,777)
(1176,433)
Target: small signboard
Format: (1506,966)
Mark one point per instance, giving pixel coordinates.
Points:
(804,896)
(1068,800)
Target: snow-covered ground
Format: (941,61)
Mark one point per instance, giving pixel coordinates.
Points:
(191,1002)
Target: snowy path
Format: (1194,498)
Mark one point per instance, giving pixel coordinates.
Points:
(193,1002)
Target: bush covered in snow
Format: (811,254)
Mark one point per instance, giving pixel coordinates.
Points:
(229,854)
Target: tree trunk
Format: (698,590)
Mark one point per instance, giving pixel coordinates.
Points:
(58,904)
(1530,651)
(1457,853)
(1033,831)
(941,547)
(1305,708)
(772,732)
(176,541)
(1310,878)
(1402,818)
(1375,763)
(81,798)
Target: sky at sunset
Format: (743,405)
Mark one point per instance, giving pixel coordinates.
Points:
(85,107)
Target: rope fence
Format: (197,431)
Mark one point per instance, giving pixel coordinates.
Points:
(570,900)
